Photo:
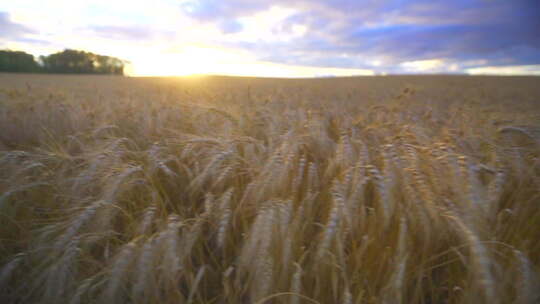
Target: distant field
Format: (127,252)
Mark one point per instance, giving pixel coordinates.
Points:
(398,189)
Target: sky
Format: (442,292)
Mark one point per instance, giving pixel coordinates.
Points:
(285,38)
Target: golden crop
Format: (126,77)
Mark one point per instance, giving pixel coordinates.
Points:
(243,190)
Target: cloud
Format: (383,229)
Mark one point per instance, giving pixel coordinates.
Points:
(349,33)
(230,26)
(423,65)
(506,70)
(10,30)
(210,10)
(385,36)
(222,13)
(123,32)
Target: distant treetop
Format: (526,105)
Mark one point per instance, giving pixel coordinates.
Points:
(65,62)
(11,61)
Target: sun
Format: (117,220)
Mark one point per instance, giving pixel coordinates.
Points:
(192,60)
(186,61)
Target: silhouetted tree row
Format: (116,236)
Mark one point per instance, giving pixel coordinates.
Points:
(65,62)
(11,61)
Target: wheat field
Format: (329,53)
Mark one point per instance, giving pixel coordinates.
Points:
(398,189)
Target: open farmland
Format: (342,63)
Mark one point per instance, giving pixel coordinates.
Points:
(401,189)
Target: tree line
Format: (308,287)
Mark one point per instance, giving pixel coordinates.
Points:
(64,62)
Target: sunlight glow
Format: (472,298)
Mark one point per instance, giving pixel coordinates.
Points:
(182,61)
(199,60)
(506,70)
(204,59)
(187,37)
(423,65)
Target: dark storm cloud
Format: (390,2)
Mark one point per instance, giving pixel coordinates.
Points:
(346,32)
(10,30)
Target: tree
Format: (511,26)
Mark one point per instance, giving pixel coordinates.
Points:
(15,61)
(80,62)
(66,62)
(109,65)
